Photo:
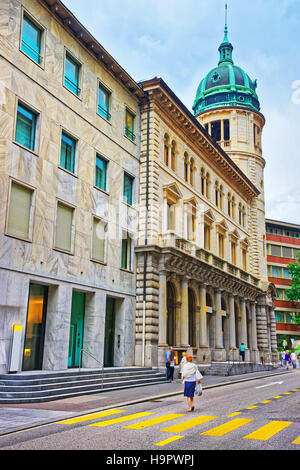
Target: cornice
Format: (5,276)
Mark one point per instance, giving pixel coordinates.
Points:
(66,18)
(167,101)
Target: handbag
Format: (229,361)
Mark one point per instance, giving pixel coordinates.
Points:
(198,390)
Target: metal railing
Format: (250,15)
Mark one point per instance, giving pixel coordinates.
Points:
(91,355)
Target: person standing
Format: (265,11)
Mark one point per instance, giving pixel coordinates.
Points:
(168,354)
(282,357)
(172,365)
(287,359)
(190,375)
(182,362)
(242,351)
(294,359)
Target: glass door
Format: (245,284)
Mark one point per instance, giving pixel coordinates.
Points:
(109,343)
(35,327)
(76,328)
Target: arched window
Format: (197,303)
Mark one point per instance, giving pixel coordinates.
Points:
(207,189)
(186,167)
(166,150)
(217,194)
(173,156)
(221,197)
(240,214)
(192,167)
(202,181)
(229,204)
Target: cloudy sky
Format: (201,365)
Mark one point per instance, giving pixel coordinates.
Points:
(177,40)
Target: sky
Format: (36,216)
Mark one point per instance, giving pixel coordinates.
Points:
(178,41)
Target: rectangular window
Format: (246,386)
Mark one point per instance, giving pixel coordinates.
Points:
(126,253)
(221,245)
(244,259)
(233,253)
(207,231)
(287,252)
(26,127)
(64,227)
(103,102)
(98,242)
(72,75)
(275,250)
(19,212)
(171,217)
(128,189)
(31,39)
(226,129)
(216,130)
(67,152)
(129,125)
(101,172)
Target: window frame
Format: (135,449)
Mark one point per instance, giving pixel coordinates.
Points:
(99,219)
(24,104)
(72,137)
(31,211)
(70,206)
(131,137)
(43,31)
(76,61)
(106,160)
(129,250)
(109,93)
(132,178)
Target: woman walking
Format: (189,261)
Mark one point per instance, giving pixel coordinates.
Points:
(190,376)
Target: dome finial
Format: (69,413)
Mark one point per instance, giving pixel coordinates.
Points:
(226,47)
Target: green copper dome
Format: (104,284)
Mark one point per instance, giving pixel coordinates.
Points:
(226,85)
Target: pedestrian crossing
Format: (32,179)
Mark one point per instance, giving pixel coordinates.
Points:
(259,431)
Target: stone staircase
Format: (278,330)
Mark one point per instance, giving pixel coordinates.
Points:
(229,368)
(42,386)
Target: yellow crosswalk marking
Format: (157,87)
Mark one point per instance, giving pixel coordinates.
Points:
(279,396)
(251,407)
(108,422)
(297,441)
(266,401)
(189,424)
(269,430)
(227,427)
(167,441)
(152,422)
(287,393)
(296,390)
(234,414)
(91,416)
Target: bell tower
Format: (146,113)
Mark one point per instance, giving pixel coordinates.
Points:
(227,105)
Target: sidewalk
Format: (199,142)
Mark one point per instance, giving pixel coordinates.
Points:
(24,416)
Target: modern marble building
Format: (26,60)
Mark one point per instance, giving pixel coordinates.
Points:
(69,182)
(202,281)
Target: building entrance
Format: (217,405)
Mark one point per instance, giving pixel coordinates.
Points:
(76,328)
(35,327)
(110,320)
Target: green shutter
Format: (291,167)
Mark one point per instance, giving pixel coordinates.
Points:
(124,253)
(103,103)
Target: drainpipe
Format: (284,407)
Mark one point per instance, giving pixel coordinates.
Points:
(146,232)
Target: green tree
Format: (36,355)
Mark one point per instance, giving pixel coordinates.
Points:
(293,293)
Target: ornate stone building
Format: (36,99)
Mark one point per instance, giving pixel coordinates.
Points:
(69,180)
(201,265)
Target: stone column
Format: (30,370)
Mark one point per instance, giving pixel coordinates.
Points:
(203,320)
(274,352)
(184,324)
(162,323)
(219,353)
(162,317)
(232,341)
(243,322)
(262,331)
(218,337)
(253,326)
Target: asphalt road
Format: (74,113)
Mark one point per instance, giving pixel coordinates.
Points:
(262,414)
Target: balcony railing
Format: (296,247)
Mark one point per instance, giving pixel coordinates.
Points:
(172,240)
